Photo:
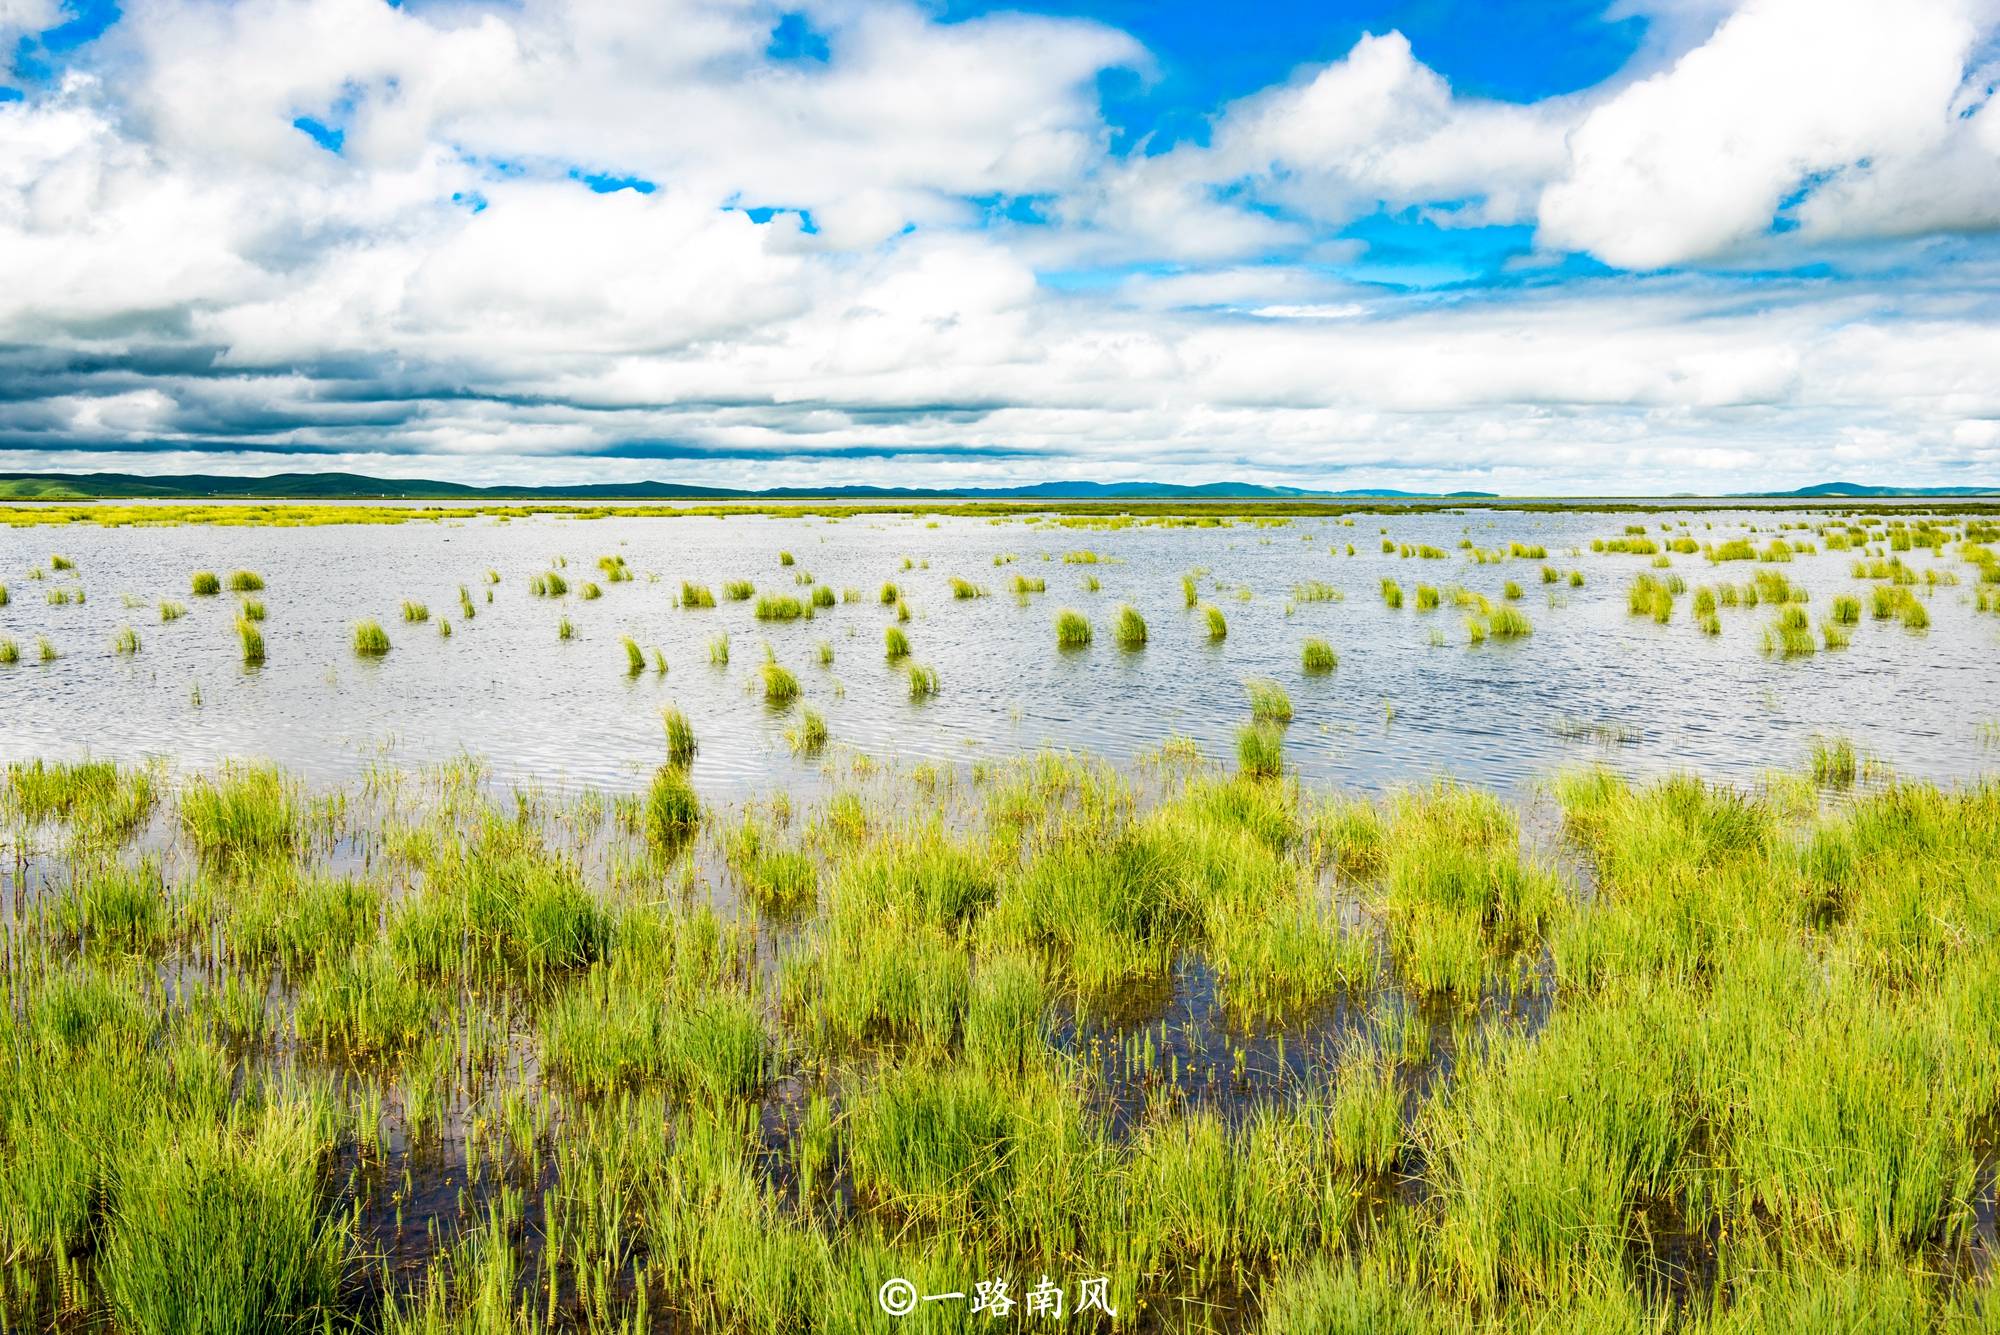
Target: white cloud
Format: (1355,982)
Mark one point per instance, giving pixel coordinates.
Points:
(1864,106)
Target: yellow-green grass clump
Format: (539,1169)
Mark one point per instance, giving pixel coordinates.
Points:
(1025,584)
(738,590)
(1260,750)
(1509,623)
(415,612)
(250,640)
(1392,594)
(780,686)
(370,640)
(696,595)
(1073,630)
(206,584)
(245,581)
(780,607)
(1317,657)
(923,681)
(635,657)
(891,595)
(10,652)
(1131,628)
(1268,701)
(895,644)
(252,609)
(672,810)
(171,610)
(809,736)
(965,588)
(1218,624)
(125,642)
(680,737)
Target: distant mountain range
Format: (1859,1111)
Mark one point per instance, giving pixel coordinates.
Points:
(357,486)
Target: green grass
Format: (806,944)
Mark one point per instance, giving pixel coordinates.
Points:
(252,609)
(1023,584)
(635,657)
(780,607)
(1392,595)
(1260,750)
(415,612)
(1268,701)
(10,652)
(965,588)
(590,592)
(809,737)
(923,681)
(673,811)
(1509,623)
(245,581)
(1130,631)
(250,641)
(1073,629)
(171,611)
(785,558)
(370,640)
(680,737)
(738,590)
(205,584)
(126,642)
(718,651)
(1218,624)
(1317,657)
(45,650)
(895,644)
(891,595)
(1833,763)
(243,812)
(565,630)
(780,686)
(696,595)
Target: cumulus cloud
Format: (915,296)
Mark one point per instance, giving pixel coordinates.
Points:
(1860,117)
(598,239)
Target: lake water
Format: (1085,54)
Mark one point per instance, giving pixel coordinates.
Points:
(1592,683)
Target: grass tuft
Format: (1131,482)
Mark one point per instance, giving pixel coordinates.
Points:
(370,640)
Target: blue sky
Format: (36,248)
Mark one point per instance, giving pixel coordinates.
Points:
(1646,245)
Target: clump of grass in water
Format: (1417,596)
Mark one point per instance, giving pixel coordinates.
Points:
(1427,598)
(891,595)
(1260,750)
(672,811)
(1023,584)
(465,609)
(565,629)
(696,595)
(45,649)
(809,737)
(823,596)
(1509,623)
(1131,630)
(1090,584)
(1189,595)
(415,612)
(370,640)
(1268,701)
(126,642)
(10,652)
(923,681)
(61,563)
(1846,610)
(895,644)
(680,737)
(1834,763)
(206,584)
(245,811)
(1072,629)
(1218,624)
(965,588)
(1510,591)
(785,558)
(738,590)
(548,584)
(171,611)
(635,657)
(1392,594)
(826,653)
(779,607)
(252,641)
(3,595)
(1318,657)
(780,686)
(590,592)
(718,651)
(245,581)
(251,609)
(1790,636)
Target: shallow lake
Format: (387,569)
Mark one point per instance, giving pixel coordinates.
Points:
(1411,697)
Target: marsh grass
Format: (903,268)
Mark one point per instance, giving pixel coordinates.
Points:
(590,592)
(895,644)
(696,595)
(1392,594)
(635,657)
(1833,762)
(1023,584)
(1509,623)
(565,630)
(738,590)
(1268,701)
(250,640)
(1317,657)
(1218,624)
(780,607)
(718,651)
(370,640)
(923,681)
(1790,635)
(252,609)
(205,584)
(672,810)
(809,737)
(965,588)
(126,642)
(45,649)
(1260,750)
(680,736)
(10,652)
(780,686)
(890,596)
(1130,630)
(415,612)
(1073,629)
(245,581)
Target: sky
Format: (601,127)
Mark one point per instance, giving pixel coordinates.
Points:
(1525,246)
